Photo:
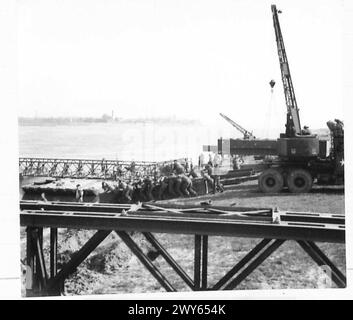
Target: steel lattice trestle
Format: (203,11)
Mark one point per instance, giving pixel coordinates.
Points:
(305,228)
(87,168)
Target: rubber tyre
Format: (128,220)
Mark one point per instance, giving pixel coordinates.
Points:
(299,181)
(271,181)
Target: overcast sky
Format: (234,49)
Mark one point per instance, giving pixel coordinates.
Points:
(185,58)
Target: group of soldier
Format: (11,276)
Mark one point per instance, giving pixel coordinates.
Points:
(169,180)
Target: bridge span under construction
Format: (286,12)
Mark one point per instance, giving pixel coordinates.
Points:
(203,221)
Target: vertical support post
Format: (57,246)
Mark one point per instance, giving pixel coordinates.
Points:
(53,261)
(38,238)
(30,274)
(197,263)
(200,262)
(204,262)
(53,252)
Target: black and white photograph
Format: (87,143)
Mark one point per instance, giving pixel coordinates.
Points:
(178,146)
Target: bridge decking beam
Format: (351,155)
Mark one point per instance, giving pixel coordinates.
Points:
(185,225)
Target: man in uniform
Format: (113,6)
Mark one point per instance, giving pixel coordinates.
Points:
(163,186)
(217,160)
(138,193)
(206,174)
(79,193)
(193,174)
(186,186)
(126,188)
(201,160)
(187,165)
(217,186)
(178,168)
(236,162)
(306,131)
(210,159)
(117,171)
(171,182)
(177,185)
(147,188)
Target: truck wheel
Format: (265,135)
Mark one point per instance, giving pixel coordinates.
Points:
(299,181)
(271,181)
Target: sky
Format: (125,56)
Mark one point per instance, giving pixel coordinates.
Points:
(189,59)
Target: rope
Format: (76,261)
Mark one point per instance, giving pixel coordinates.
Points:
(270,108)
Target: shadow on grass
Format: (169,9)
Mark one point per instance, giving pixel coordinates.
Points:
(253,191)
(328,189)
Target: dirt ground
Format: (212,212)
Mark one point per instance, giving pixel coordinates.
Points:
(111,268)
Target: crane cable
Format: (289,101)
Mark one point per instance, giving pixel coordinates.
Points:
(270,110)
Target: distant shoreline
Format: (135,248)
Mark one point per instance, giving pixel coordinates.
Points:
(22,121)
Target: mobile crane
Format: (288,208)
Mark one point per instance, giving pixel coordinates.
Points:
(247,134)
(301,156)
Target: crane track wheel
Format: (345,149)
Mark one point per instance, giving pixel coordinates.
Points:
(271,181)
(299,181)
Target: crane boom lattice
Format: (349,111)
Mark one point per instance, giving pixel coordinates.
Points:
(247,134)
(293,121)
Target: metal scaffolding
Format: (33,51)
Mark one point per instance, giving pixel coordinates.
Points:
(202,221)
(85,168)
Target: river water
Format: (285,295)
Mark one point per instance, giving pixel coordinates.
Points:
(118,141)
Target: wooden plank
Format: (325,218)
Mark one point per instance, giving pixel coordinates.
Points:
(161,208)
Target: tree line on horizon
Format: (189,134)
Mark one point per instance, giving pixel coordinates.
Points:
(104,119)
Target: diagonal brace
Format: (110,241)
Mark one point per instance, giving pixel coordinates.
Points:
(135,249)
(78,257)
(40,258)
(169,259)
(273,246)
(248,257)
(321,259)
